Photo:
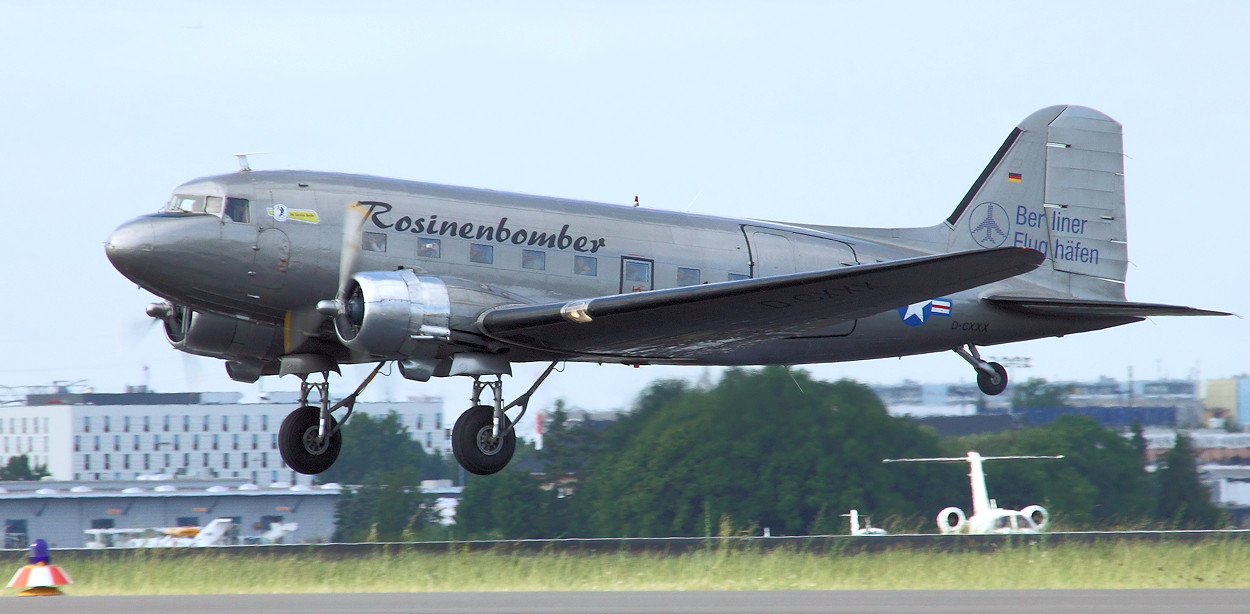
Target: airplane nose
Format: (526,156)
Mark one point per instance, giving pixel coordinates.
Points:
(128,247)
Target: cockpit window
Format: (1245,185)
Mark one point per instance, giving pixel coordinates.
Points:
(185,204)
(237,210)
(212,204)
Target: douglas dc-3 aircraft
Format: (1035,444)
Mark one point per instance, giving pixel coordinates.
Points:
(293,272)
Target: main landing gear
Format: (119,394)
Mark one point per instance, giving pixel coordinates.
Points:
(991,376)
(310,438)
(483,438)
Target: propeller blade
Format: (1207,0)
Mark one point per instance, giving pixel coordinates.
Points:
(353,226)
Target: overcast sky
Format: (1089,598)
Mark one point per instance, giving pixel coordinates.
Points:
(866,114)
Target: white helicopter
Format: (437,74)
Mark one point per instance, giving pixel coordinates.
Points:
(986,516)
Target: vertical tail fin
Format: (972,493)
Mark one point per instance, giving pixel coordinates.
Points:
(1056,185)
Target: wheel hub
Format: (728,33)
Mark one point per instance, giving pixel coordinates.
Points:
(488,445)
(314,445)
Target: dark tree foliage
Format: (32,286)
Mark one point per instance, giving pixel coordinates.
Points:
(373,446)
(758,450)
(510,504)
(1100,482)
(568,450)
(393,509)
(18,469)
(1183,501)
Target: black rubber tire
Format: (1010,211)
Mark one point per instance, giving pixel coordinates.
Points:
(470,441)
(298,431)
(987,385)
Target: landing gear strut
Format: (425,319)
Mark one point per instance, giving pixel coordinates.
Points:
(991,376)
(310,438)
(483,438)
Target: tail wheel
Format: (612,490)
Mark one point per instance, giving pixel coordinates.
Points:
(297,441)
(473,446)
(993,385)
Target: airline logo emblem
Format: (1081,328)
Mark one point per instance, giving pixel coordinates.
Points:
(282,213)
(989,225)
(919,313)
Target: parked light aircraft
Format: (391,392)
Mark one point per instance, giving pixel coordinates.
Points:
(986,516)
(866,529)
(294,272)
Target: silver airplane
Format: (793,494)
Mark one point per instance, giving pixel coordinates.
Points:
(295,272)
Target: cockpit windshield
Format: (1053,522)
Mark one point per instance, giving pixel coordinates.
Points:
(228,209)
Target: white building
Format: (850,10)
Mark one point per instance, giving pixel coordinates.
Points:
(200,435)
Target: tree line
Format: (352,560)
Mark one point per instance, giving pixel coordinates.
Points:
(769,448)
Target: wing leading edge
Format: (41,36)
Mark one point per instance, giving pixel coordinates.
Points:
(690,321)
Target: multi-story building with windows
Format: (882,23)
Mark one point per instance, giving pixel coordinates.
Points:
(193,435)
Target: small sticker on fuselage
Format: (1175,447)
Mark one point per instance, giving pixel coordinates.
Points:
(282,213)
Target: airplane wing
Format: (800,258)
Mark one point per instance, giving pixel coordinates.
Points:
(1084,308)
(695,320)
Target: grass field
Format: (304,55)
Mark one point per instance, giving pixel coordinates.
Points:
(1217,563)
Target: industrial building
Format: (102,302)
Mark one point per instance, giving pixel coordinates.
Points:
(61,512)
(87,436)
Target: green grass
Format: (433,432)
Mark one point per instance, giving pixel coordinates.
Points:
(1215,563)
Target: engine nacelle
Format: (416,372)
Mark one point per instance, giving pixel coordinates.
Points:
(389,313)
(217,336)
(951,520)
(1038,515)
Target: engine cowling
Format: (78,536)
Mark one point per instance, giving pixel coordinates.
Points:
(216,336)
(399,314)
(1038,515)
(951,520)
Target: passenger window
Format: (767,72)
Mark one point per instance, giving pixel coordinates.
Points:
(687,277)
(237,210)
(533,259)
(481,253)
(586,265)
(430,248)
(374,242)
(636,275)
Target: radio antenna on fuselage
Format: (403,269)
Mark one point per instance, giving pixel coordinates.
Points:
(243,164)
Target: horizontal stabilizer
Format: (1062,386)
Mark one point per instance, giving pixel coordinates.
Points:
(695,321)
(1084,308)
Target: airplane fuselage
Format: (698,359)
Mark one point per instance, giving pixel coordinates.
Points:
(276,250)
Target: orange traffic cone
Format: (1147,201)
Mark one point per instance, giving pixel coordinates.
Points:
(40,577)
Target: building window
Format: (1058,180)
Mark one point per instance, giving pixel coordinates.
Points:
(95,442)
(108,461)
(86,424)
(235,442)
(195,442)
(481,253)
(245,422)
(107,425)
(264,422)
(125,424)
(117,443)
(86,462)
(215,441)
(429,248)
(147,461)
(177,443)
(205,462)
(264,460)
(165,423)
(186,423)
(255,441)
(188,521)
(205,423)
(125,461)
(421,420)
(136,443)
(147,424)
(225,461)
(78,448)
(687,276)
(225,423)
(534,259)
(586,265)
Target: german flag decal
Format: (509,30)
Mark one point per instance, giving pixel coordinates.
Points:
(1015,177)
